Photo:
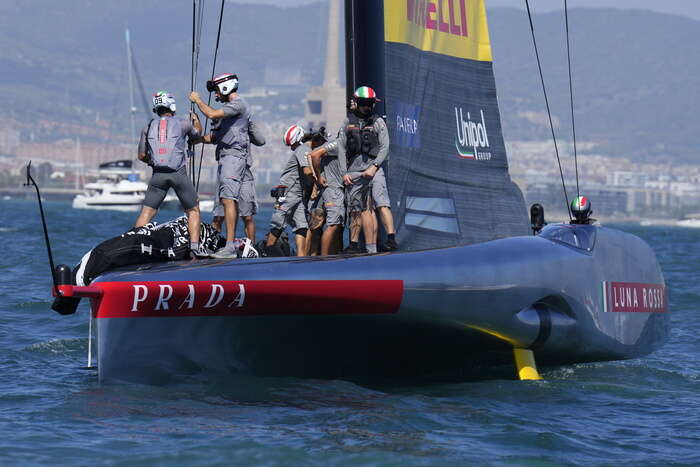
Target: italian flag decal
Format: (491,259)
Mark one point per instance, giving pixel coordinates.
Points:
(365,92)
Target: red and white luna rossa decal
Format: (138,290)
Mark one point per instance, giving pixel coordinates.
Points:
(227,298)
(634,297)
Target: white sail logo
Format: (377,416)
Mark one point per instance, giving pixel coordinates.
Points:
(471,136)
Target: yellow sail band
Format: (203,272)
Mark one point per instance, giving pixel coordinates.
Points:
(457,28)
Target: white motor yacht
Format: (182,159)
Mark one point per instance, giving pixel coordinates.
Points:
(118,187)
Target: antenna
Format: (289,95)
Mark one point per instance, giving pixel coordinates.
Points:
(132,109)
(30,181)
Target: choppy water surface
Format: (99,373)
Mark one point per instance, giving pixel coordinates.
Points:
(53,410)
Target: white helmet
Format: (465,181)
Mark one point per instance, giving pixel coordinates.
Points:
(164,99)
(293,135)
(226,84)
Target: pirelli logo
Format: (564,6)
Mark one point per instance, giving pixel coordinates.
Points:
(634,297)
(456,28)
(448,16)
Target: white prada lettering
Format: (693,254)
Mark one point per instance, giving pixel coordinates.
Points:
(240,298)
(189,300)
(217,294)
(162,303)
(176,297)
(140,294)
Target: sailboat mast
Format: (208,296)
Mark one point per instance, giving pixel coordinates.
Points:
(364,46)
(132,109)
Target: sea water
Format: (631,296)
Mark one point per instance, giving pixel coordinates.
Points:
(53,410)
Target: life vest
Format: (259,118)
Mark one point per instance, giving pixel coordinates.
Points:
(165,143)
(362,140)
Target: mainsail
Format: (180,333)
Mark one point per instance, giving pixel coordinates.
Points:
(448,171)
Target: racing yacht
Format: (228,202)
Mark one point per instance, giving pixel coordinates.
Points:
(475,285)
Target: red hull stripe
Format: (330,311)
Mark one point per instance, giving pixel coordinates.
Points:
(243,298)
(634,297)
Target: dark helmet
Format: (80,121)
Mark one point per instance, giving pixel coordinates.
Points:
(581,208)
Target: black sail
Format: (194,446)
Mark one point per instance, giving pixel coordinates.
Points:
(448,170)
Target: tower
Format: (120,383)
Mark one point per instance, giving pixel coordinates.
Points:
(325,105)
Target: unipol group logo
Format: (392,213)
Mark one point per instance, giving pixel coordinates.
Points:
(472,140)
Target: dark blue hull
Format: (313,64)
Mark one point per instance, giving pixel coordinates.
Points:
(446,313)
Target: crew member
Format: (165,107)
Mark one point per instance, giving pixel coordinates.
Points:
(231,132)
(325,163)
(315,213)
(363,146)
(295,182)
(162,146)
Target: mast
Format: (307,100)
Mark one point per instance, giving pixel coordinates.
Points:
(78,163)
(364,46)
(132,109)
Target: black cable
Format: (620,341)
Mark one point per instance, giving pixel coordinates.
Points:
(190,150)
(571,95)
(549,113)
(30,181)
(213,70)
(200,15)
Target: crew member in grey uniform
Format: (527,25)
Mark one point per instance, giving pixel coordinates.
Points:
(247,204)
(325,163)
(162,146)
(290,208)
(231,133)
(363,146)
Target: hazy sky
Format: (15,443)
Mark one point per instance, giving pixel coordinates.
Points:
(690,8)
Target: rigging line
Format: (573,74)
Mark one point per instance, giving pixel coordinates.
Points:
(546,100)
(571,94)
(190,149)
(194,39)
(197,39)
(213,70)
(200,16)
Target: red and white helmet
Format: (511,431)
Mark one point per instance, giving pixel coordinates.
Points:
(293,135)
(225,83)
(164,99)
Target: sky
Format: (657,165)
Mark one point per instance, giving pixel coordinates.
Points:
(689,8)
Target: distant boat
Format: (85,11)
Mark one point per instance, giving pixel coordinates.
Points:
(118,188)
(206,205)
(694,223)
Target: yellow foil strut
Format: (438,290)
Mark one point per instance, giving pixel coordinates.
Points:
(525,364)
